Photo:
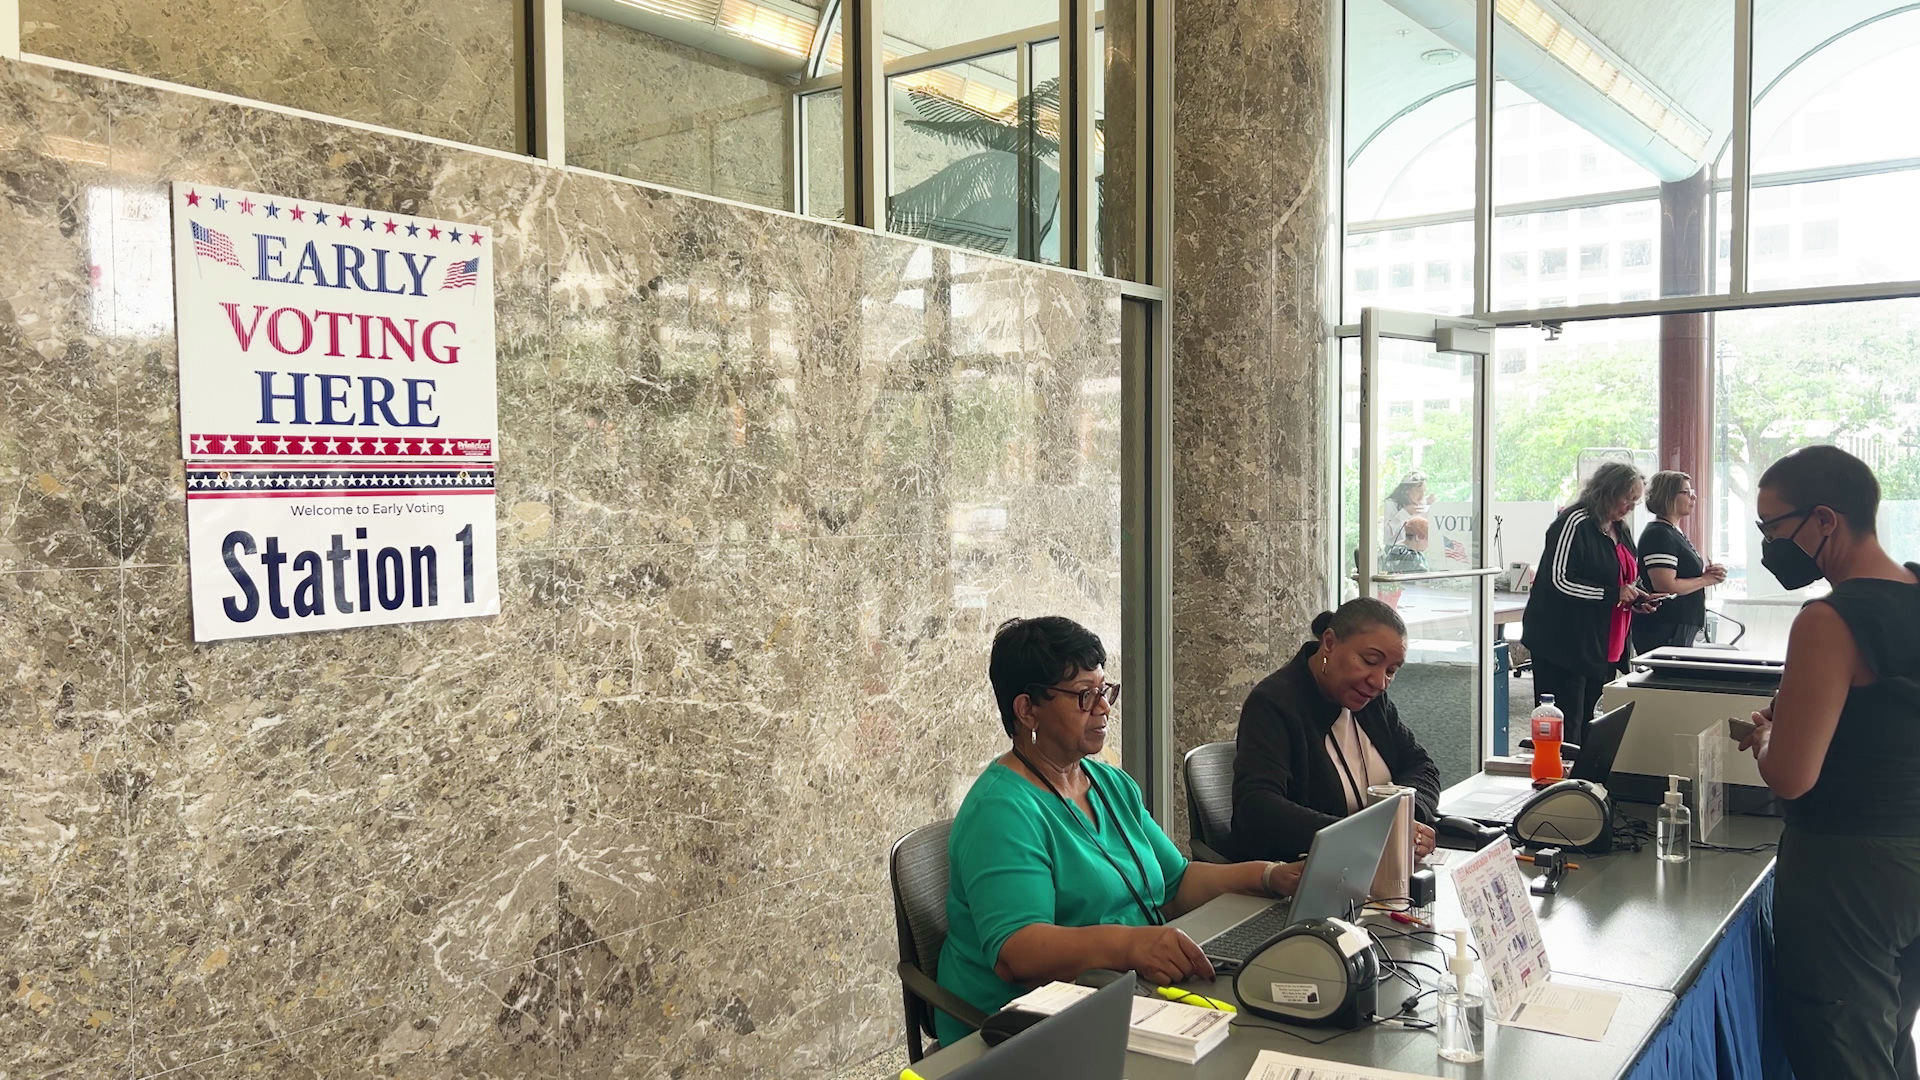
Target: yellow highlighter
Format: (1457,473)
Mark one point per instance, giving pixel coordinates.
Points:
(909,1074)
(1188,997)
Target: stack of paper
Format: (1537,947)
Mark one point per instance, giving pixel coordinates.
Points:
(1164,1029)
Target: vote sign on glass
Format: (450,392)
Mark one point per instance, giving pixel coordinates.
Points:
(312,330)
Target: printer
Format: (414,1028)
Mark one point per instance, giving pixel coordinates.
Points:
(1676,694)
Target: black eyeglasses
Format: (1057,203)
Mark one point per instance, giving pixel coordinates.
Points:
(1110,691)
(1763,526)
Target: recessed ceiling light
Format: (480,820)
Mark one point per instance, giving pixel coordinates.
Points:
(1437,57)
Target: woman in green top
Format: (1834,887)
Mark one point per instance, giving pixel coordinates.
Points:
(1055,867)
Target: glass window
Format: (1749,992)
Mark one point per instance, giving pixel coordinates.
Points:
(970,166)
(821,124)
(1597,106)
(1789,377)
(1513,361)
(1593,258)
(1823,78)
(1553,263)
(1820,237)
(1400,276)
(1409,140)
(1366,279)
(1769,240)
(1439,275)
(698,101)
(1593,391)
(917,26)
(1513,267)
(1637,253)
(437,67)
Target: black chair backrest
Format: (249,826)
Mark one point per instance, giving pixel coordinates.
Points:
(918,867)
(1209,772)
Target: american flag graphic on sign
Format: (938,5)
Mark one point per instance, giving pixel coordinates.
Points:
(213,244)
(462,274)
(1454,549)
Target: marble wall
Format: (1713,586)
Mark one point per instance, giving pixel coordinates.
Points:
(708,124)
(1249,330)
(437,67)
(766,486)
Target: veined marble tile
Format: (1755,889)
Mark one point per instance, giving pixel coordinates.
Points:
(682,665)
(763,985)
(330,817)
(681,333)
(64,786)
(441,68)
(58,443)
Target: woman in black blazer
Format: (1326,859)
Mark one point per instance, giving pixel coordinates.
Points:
(1317,733)
(1579,616)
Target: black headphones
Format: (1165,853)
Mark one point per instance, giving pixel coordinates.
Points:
(1153,917)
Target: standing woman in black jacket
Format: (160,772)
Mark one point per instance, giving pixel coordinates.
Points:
(1317,733)
(1580,614)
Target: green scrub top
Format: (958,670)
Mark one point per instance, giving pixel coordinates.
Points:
(1018,855)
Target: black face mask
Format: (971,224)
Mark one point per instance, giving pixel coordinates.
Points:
(1788,562)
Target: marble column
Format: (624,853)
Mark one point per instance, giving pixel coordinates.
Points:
(1251,224)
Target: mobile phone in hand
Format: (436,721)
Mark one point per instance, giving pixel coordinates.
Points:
(1738,728)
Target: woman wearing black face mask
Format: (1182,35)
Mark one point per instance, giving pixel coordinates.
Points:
(1841,744)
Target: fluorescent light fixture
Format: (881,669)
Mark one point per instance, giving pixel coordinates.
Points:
(767,25)
(1598,69)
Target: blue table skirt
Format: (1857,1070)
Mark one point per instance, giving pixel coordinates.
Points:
(1722,1027)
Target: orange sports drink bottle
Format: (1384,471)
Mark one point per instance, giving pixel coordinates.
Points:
(1548,728)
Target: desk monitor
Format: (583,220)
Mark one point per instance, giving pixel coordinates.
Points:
(1087,1041)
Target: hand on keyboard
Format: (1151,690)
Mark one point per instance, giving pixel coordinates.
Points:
(1164,956)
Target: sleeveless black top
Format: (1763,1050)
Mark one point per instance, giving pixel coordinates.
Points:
(1870,782)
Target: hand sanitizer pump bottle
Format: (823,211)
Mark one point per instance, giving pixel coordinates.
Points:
(1462,1012)
(1673,837)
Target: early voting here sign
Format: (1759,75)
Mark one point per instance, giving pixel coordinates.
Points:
(338,415)
(316,330)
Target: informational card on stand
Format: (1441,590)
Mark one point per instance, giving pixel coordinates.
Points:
(1710,778)
(1494,897)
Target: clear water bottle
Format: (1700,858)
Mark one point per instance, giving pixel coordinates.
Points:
(1673,826)
(1548,728)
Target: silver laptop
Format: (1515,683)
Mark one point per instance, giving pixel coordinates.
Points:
(1334,884)
(1086,1039)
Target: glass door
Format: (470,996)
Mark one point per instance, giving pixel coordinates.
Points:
(1416,465)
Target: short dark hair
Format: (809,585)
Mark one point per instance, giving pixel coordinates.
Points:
(1360,614)
(1665,487)
(1827,476)
(1038,652)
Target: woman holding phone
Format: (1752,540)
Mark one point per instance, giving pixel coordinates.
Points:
(1673,568)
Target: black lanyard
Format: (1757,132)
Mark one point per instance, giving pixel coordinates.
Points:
(1153,917)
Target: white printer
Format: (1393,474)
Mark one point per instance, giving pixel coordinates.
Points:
(1675,697)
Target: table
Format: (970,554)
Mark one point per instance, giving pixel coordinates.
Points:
(1676,942)
(1434,612)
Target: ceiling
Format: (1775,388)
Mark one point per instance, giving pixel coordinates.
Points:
(1680,52)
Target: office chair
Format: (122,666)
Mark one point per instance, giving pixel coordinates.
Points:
(1209,772)
(918,868)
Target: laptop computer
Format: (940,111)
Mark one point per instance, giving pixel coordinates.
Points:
(1499,798)
(1085,1039)
(1334,883)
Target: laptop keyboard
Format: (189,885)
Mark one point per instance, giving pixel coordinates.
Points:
(1230,949)
(1510,809)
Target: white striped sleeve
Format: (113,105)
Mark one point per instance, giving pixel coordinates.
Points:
(1670,562)
(1561,552)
